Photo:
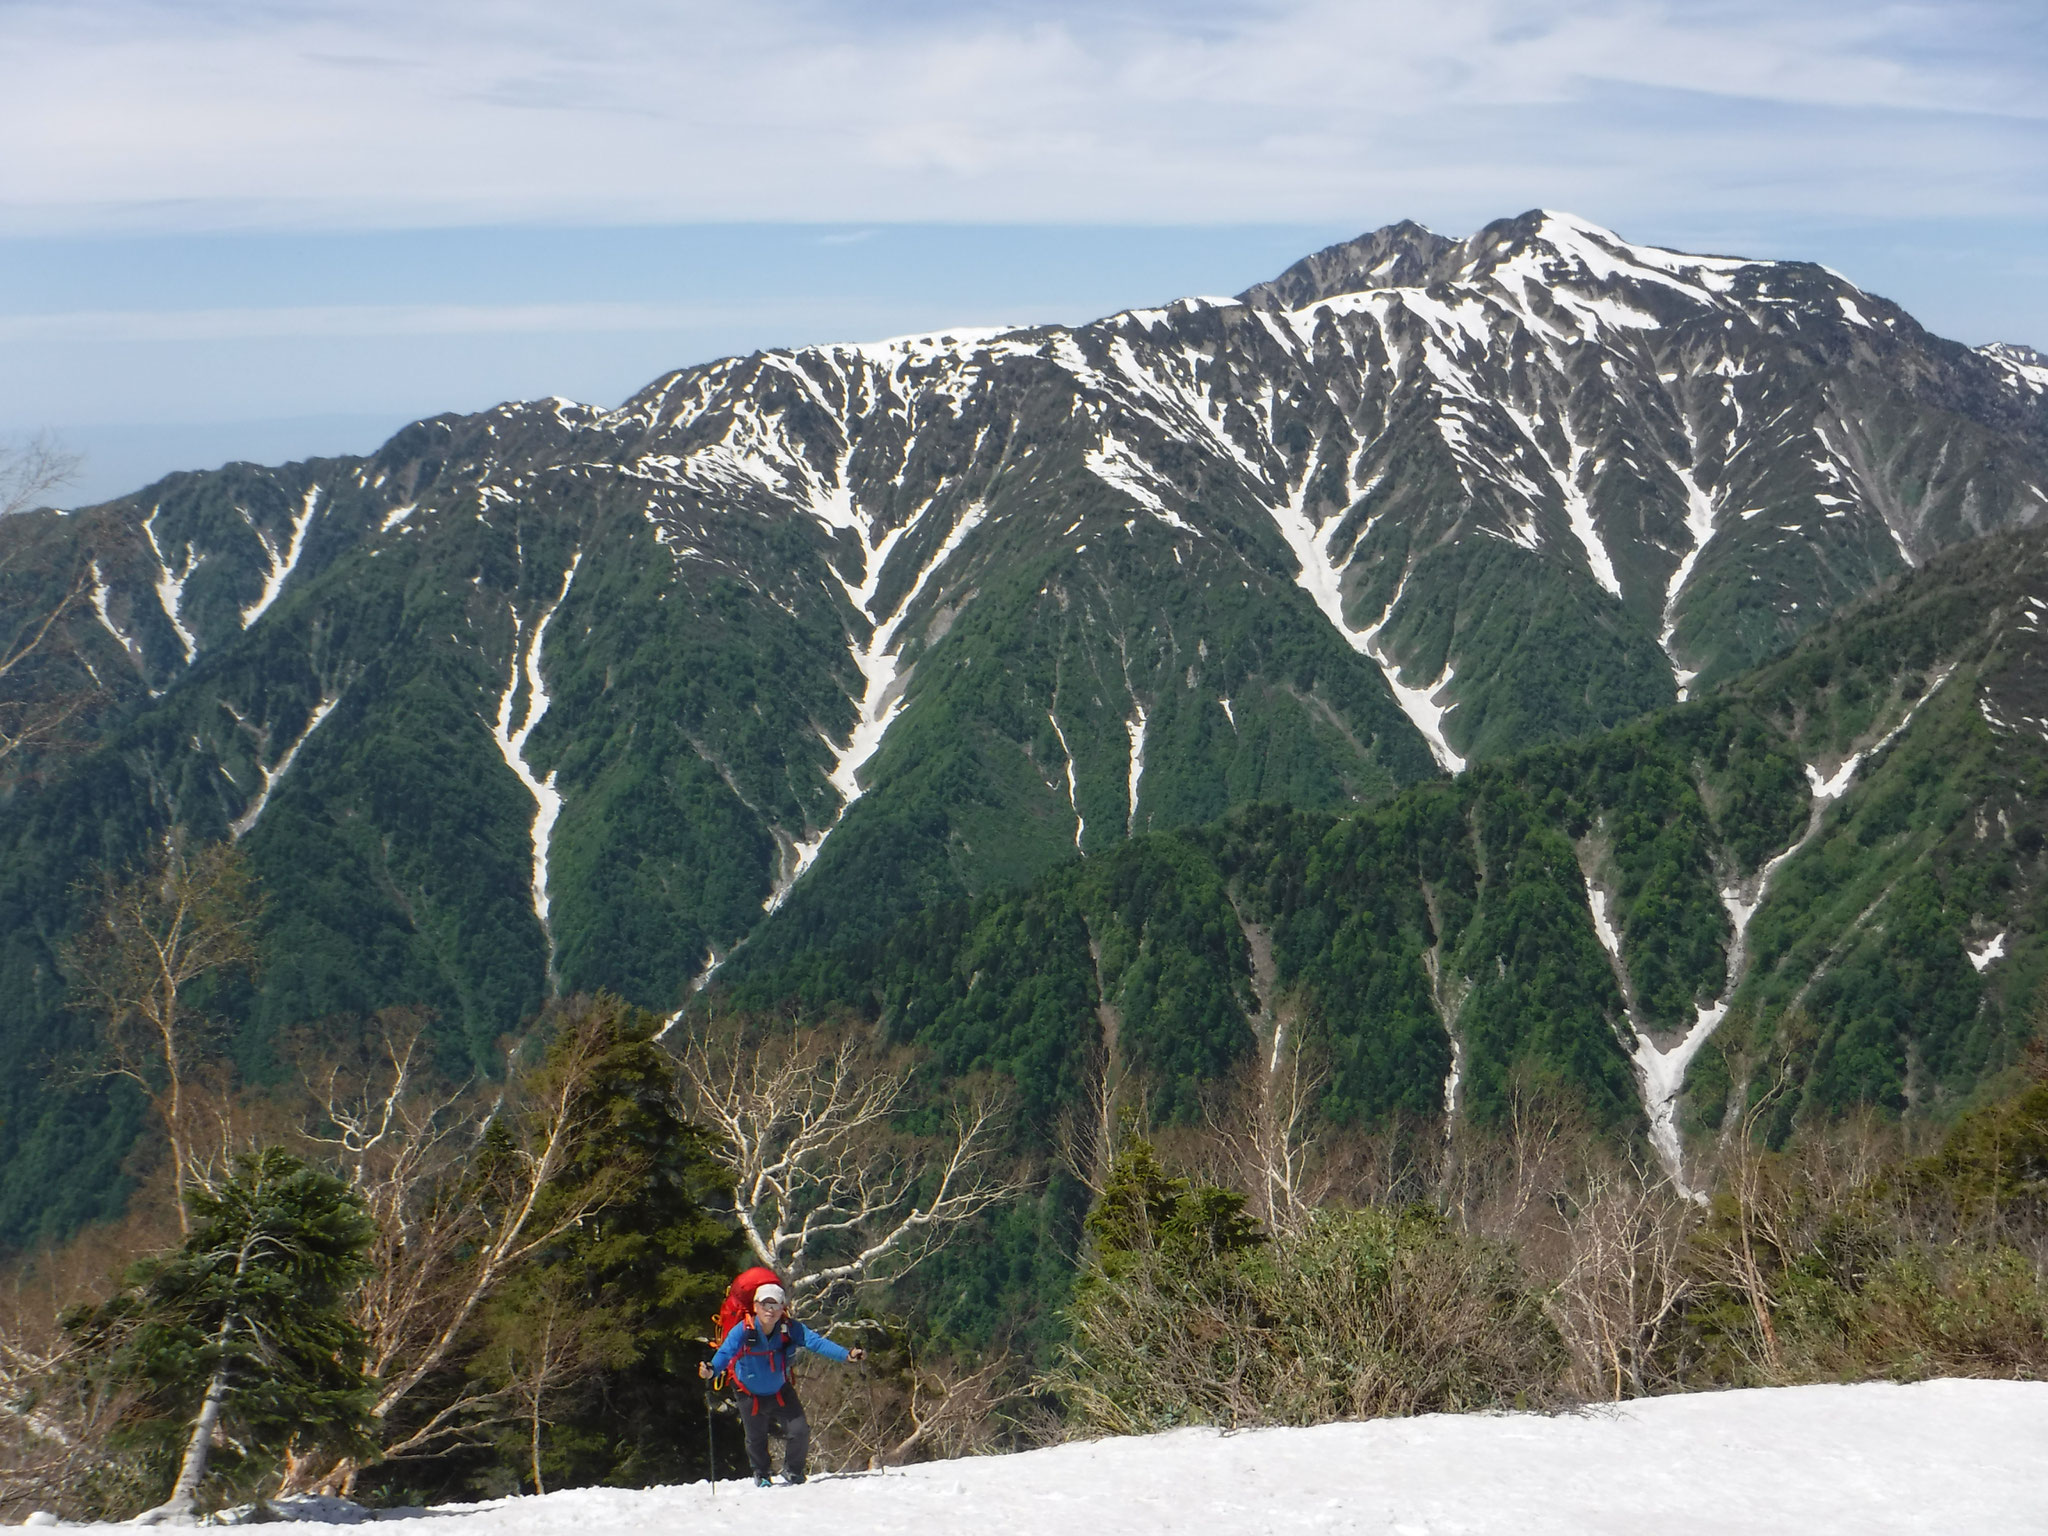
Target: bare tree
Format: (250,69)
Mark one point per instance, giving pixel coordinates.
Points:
(462,1190)
(38,695)
(1087,1135)
(39,1441)
(191,913)
(948,1414)
(1270,1141)
(31,468)
(916,1408)
(34,709)
(1500,1183)
(1626,1231)
(824,1192)
(545,1345)
(1751,1236)
(58,1424)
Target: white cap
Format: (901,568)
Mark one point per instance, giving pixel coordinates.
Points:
(769,1293)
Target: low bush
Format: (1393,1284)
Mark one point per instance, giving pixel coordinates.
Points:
(1188,1315)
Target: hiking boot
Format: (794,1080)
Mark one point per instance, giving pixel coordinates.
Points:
(764,1482)
(792,1477)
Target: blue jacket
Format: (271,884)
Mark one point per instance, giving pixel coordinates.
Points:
(761,1366)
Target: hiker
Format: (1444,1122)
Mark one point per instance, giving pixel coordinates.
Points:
(758,1349)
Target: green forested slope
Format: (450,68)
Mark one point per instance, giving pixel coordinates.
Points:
(1459,912)
(682,731)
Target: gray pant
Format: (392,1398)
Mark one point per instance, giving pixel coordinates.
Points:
(783,1414)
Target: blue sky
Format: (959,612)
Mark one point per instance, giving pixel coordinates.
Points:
(275,227)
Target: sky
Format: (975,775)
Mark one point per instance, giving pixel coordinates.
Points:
(269,228)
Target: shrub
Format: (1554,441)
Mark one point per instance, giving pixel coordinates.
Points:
(1187,1317)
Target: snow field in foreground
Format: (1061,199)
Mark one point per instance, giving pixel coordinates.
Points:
(1940,1456)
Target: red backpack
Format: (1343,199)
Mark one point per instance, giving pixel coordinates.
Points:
(738,1305)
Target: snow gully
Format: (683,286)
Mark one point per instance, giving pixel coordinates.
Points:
(1662,1072)
(244,824)
(511,740)
(280,568)
(1323,582)
(1073,788)
(170,590)
(877,660)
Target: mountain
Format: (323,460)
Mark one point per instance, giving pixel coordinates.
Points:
(2026,367)
(788,648)
(1824,885)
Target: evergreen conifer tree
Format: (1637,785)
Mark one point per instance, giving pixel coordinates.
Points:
(240,1334)
(625,1295)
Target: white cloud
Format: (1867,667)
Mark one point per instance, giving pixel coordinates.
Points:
(285,322)
(160,113)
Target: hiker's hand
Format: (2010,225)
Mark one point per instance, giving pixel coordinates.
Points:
(856,1353)
(704,1369)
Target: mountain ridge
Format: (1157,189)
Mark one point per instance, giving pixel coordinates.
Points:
(556,697)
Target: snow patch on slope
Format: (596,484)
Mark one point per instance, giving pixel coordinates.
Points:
(879,665)
(281,566)
(1662,1072)
(170,589)
(1578,506)
(1699,524)
(1579,509)
(2023,368)
(1320,578)
(1116,466)
(1135,729)
(1419,704)
(1836,784)
(99,606)
(246,822)
(1073,792)
(1984,954)
(511,740)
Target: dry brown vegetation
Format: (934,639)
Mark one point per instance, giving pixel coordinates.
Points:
(1256,1269)
(1297,1275)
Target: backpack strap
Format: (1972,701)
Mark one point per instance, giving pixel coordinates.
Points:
(776,1348)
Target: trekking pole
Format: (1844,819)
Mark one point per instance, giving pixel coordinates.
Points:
(867,1369)
(711,1442)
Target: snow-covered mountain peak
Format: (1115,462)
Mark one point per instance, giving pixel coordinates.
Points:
(1446,446)
(1542,245)
(972,600)
(1543,392)
(2024,367)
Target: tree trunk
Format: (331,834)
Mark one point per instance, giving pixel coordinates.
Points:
(174,1106)
(178,1508)
(539,1487)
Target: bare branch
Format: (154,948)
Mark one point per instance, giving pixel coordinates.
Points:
(462,1188)
(823,1190)
(31,468)
(188,914)
(1627,1231)
(1269,1139)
